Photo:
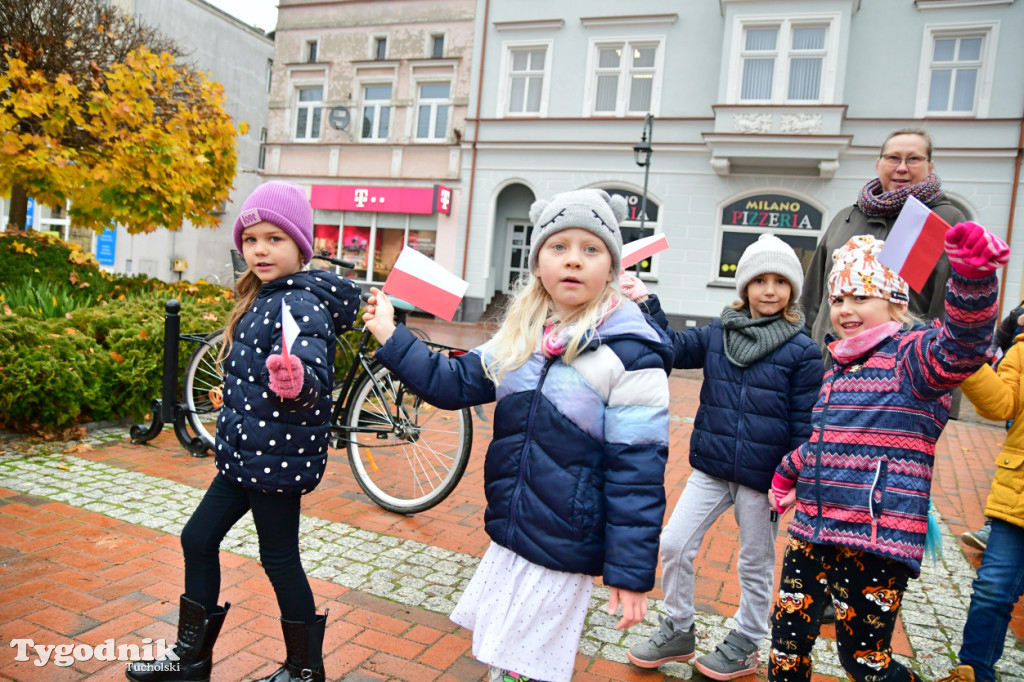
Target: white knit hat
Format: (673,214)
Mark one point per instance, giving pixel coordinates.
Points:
(769,254)
(588,209)
(856,270)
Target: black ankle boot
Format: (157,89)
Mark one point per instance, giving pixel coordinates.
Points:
(192,660)
(305,652)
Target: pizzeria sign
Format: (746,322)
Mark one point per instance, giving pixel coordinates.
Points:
(772,210)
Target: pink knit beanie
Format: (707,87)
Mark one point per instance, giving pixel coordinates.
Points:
(284,204)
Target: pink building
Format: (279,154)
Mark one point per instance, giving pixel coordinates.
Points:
(367,108)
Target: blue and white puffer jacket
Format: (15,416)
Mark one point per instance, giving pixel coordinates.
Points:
(574,475)
(749,418)
(265,442)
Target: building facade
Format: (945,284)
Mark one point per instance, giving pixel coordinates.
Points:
(367,109)
(768,116)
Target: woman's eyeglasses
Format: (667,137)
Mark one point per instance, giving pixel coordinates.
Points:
(894,160)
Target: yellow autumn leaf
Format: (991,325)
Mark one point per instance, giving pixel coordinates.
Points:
(212,317)
(70,331)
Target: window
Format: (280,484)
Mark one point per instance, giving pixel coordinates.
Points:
(779,60)
(743,220)
(625,78)
(308,113)
(262,163)
(526,78)
(311,50)
(372,241)
(376,112)
(631,226)
(956,70)
(432,115)
(437,46)
(270,72)
(380,48)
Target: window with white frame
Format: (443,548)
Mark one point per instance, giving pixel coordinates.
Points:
(308,112)
(782,60)
(376,112)
(437,46)
(312,50)
(432,111)
(626,77)
(525,79)
(261,164)
(380,48)
(270,72)
(956,70)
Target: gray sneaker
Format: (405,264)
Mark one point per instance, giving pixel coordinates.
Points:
(978,539)
(736,656)
(664,646)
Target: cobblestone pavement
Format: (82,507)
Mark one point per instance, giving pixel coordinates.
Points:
(415,564)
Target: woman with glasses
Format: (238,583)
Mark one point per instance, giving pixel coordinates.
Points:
(905,168)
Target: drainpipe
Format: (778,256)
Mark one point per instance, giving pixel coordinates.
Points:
(476,135)
(1013,206)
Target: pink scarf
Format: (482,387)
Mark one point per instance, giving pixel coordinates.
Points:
(556,339)
(845,350)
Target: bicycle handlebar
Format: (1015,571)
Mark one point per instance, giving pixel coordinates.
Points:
(347,264)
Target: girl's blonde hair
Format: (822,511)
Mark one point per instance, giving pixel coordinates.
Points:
(246,290)
(791,313)
(524,321)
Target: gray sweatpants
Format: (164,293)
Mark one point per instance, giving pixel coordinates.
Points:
(704,499)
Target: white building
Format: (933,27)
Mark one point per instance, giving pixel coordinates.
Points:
(768,116)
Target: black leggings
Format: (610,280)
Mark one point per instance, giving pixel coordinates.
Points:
(277,526)
(866,590)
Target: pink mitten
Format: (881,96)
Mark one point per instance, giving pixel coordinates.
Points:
(974,251)
(781,487)
(632,287)
(281,382)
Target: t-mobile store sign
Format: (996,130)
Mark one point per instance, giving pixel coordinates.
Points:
(419,200)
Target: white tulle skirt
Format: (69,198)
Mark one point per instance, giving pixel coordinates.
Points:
(524,617)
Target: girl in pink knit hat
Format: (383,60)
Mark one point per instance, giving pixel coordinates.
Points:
(272,435)
(860,486)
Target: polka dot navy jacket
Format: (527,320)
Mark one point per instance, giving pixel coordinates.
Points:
(269,443)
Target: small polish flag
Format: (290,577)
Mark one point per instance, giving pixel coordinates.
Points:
(289,332)
(636,251)
(915,243)
(425,284)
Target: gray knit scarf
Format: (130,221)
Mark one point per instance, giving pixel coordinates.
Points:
(748,340)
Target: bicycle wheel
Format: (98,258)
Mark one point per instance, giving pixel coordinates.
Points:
(204,387)
(406,454)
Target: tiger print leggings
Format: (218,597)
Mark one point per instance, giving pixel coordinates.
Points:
(866,590)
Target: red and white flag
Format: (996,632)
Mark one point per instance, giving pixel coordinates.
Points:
(425,284)
(289,332)
(915,243)
(636,251)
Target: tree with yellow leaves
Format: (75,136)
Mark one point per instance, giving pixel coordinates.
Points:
(88,113)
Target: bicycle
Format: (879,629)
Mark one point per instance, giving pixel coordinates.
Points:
(406,455)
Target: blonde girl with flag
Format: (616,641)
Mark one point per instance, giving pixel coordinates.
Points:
(574,475)
(861,484)
(271,446)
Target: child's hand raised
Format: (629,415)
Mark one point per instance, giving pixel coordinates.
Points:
(634,606)
(379,316)
(974,251)
(632,287)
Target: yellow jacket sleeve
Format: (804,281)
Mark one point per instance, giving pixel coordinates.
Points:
(997,394)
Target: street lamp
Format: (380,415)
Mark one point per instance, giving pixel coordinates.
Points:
(642,155)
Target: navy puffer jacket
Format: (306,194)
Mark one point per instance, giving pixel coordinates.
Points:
(269,443)
(574,476)
(749,418)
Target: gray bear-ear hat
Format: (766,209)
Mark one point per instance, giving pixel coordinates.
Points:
(593,210)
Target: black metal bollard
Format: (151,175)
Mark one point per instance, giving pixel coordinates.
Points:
(163,407)
(172,331)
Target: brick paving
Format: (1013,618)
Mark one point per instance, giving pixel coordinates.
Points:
(89,551)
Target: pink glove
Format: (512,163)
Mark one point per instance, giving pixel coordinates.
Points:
(281,382)
(781,488)
(632,287)
(974,251)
